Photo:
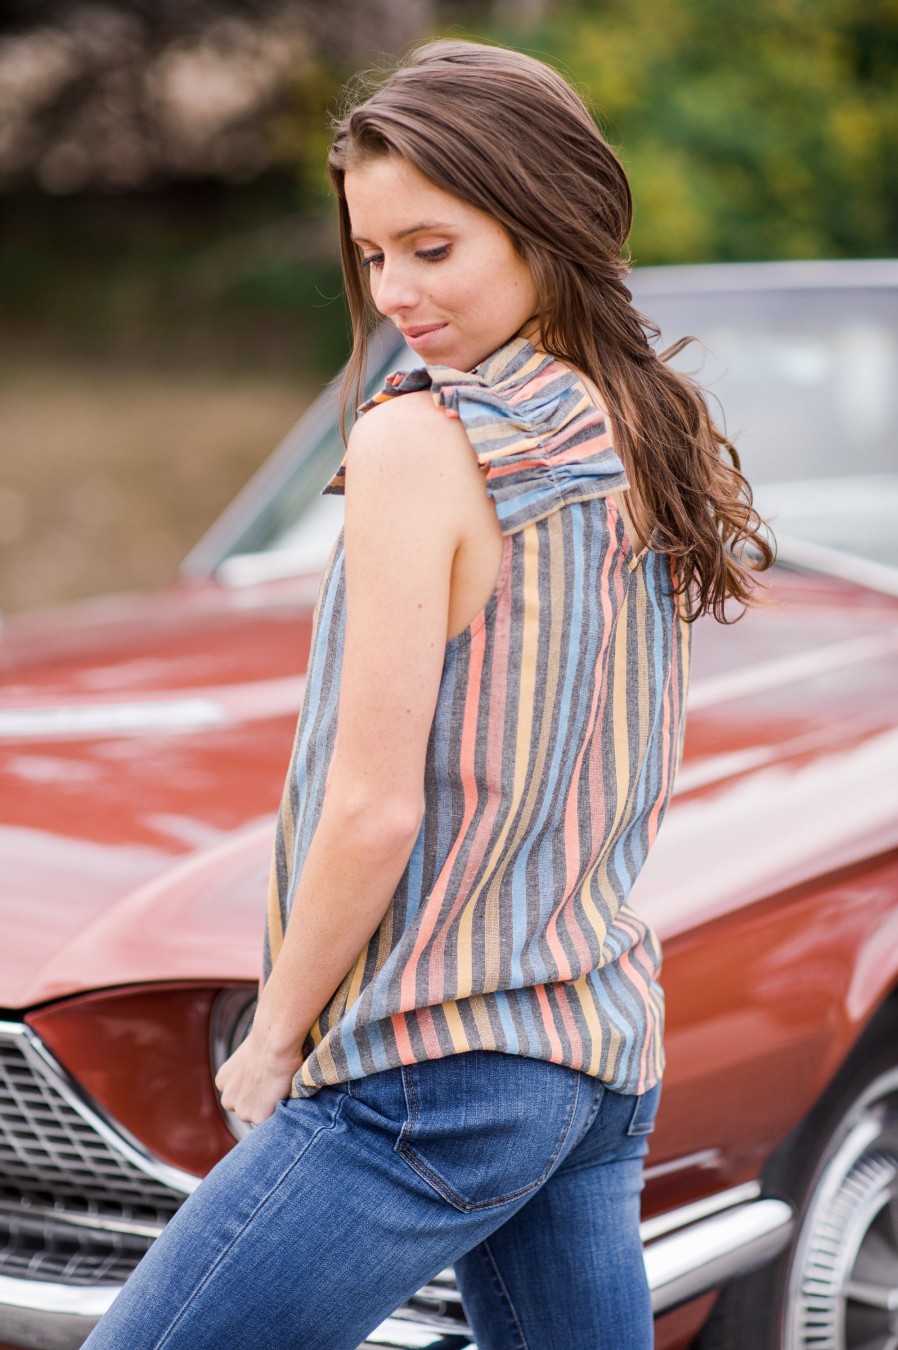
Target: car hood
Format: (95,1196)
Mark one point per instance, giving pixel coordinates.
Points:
(144,741)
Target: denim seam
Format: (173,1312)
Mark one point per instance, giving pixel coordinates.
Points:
(503,1291)
(173,1325)
(635,1127)
(442,1187)
(411,1104)
(594,1109)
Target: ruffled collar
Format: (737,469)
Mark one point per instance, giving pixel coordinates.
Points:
(505,362)
(532,424)
(515,361)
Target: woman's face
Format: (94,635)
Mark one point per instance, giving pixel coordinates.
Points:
(446,273)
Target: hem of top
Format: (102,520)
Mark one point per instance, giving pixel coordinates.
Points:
(645,1085)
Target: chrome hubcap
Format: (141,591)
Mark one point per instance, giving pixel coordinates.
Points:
(843,1286)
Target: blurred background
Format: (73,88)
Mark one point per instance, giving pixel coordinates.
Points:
(169,284)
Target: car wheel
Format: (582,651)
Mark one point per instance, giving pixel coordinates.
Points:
(836,1285)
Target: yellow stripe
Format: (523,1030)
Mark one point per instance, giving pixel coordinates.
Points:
(641,656)
(486,1037)
(275,927)
(326,1065)
(620,719)
(456,1026)
(353,982)
(615,1040)
(492,442)
(598,876)
(597,920)
(288,825)
(581,989)
(526,781)
(491,371)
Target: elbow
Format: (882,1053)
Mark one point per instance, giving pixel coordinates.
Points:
(381,825)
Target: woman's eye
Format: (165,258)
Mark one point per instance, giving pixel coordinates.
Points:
(376,260)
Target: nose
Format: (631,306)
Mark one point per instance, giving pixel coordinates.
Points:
(393,290)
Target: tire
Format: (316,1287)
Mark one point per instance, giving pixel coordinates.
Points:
(836,1285)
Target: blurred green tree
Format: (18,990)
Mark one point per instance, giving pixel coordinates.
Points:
(750,129)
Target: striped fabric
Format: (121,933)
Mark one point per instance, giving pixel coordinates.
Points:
(557,731)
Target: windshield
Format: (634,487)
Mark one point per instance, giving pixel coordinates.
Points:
(806,385)
(804,381)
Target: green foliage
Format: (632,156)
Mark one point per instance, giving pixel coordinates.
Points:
(301,135)
(749,128)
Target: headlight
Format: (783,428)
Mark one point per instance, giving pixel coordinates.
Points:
(230,1024)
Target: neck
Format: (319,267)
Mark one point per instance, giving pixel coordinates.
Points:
(530,332)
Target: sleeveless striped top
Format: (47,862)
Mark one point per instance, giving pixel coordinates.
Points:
(557,731)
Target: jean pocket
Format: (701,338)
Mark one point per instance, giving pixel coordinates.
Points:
(383,1095)
(484,1127)
(645,1111)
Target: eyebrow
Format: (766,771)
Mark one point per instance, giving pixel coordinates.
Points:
(412,229)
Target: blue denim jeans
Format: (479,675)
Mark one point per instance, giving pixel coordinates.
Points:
(524,1175)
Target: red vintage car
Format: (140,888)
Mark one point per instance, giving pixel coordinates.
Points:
(145,741)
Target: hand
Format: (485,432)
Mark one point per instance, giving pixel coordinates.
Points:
(256,1078)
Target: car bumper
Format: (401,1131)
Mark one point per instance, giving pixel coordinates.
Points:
(687,1253)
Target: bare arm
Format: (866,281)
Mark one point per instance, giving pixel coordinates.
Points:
(405,480)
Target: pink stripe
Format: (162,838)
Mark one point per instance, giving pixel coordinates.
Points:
(403,1044)
(428,1030)
(584,453)
(430,911)
(549,1025)
(596,770)
(479,843)
(521,392)
(591,744)
(570,1025)
(585,449)
(499,469)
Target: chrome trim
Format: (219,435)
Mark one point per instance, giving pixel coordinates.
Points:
(115,1135)
(694,1255)
(812,557)
(706,1254)
(82,1301)
(710,1158)
(48,1316)
(805,274)
(651,1229)
(395,1335)
(62,1218)
(225,534)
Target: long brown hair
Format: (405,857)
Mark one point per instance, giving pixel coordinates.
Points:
(507,134)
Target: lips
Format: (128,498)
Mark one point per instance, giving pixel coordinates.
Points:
(421,330)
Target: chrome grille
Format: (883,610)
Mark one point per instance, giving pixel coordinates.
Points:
(72,1207)
(38,1246)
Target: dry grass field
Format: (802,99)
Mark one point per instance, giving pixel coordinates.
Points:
(109,476)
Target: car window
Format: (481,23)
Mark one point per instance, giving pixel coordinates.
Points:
(288,528)
(804,381)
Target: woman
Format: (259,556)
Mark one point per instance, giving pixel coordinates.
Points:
(457,1054)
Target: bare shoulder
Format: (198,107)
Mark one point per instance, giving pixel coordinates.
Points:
(409,436)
